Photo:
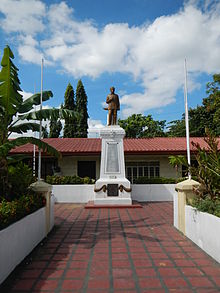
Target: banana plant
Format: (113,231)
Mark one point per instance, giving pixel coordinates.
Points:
(19,116)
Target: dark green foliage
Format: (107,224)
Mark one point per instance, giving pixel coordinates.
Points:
(28,104)
(177,128)
(20,178)
(44,132)
(46,114)
(202,117)
(13,109)
(61,180)
(70,126)
(159,180)
(10,99)
(207,205)
(10,144)
(212,104)
(139,126)
(81,108)
(208,170)
(13,211)
(178,161)
(55,128)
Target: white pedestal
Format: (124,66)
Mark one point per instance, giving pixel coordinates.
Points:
(112,169)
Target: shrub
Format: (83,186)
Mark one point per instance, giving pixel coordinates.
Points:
(61,180)
(159,180)
(208,170)
(12,211)
(207,196)
(185,178)
(20,177)
(207,204)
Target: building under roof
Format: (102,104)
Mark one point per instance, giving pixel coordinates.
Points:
(143,157)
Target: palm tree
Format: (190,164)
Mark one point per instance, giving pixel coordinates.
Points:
(18,115)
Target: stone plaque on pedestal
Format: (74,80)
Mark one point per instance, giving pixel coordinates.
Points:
(112,170)
(112,190)
(112,164)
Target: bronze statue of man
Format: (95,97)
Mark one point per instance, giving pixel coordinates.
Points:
(113,106)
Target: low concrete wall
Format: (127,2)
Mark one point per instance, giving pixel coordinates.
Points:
(52,202)
(73,193)
(140,192)
(153,192)
(203,229)
(175,210)
(19,239)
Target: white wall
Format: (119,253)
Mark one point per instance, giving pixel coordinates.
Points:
(140,192)
(73,193)
(52,202)
(204,230)
(175,210)
(19,239)
(153,192)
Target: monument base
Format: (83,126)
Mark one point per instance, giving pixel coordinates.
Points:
(104,194)
(112,201)
(112,188)
(91,205)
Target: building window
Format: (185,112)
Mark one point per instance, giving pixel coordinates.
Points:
(48,165)
(86,169)
(142,169)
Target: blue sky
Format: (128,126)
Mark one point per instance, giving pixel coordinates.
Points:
(138,46)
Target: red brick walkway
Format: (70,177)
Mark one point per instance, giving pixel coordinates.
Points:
(116,250)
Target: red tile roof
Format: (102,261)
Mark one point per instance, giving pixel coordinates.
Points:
(92,146)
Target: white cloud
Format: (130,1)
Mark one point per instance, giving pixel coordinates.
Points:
(25,95)
(30,51)
(94,127)
(23,16)
(153,54)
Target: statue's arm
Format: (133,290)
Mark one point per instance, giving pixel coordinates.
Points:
(108,99)
(118,103)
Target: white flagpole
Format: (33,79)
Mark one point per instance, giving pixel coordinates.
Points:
(41,98)
(34,150)
(187,119)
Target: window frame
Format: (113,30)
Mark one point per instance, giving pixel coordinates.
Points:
(150,169)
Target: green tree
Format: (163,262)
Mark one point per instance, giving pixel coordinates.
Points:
(212,104)
(138,126)
(81,108)
(14,111)
(55,128)
(177,128)
(206,116)
(70,126)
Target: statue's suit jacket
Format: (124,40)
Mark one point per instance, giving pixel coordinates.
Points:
(113,102)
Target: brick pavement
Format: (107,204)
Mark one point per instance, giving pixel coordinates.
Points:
(115,250)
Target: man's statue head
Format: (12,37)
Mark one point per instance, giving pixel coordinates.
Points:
(112,90)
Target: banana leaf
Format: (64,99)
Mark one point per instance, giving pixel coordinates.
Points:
(29,103)
(11,144)
(53,113)
(24,127)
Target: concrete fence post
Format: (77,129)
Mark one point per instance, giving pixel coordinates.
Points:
(45,189)
(185,194)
